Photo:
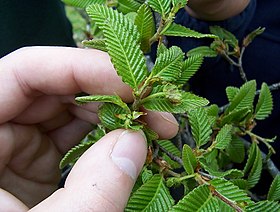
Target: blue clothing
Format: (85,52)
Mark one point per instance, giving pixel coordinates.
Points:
(260,60)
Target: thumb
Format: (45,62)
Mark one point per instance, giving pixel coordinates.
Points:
(102,179)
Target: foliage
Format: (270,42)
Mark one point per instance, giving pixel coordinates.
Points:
(208,174)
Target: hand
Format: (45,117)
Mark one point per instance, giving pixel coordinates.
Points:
(39,122)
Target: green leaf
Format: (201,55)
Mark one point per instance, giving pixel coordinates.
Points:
(231,92)
(263,206)
(160,6)
(146,174)
(126,55)
(199,199)
(224,137)
(150,134)
(190,67)
(108,116)
(159,102)
(236,150)
(212,110)
(95,44)
(189,159)
(179,3)
(223,207)
(265,103)
(230,191)
(168,65)
(251,36)
(224,35)
(253,166)
(231,173)
(145,25)
(121,38)
(274,190)
(179,30)
(235,116)
(74,153)
(127,6)
(204,51)
(244,98)
(170,147)
(161,48)
(241,183)
(201,129)
(103,98)
(83,3)
(151,196)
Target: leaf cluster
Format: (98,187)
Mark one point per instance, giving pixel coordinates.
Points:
(210,181)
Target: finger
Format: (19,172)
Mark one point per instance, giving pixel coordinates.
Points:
(10,203)
(70,134)
(163,123)
(103,177)
(30,72)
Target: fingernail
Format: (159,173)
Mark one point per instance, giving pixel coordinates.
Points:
(129,152)
(169,117)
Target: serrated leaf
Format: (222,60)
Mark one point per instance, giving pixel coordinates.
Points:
(145,25)
(188,102)
(146,175)
(168,65)
(201,129)
(244,98)
(125,54)
(127,6)
(160,6)
(224,137)
(179,30)
(107,115)
(161,48)
(150,134)
(170,147)
(265,103)
(121,38)
(240,183)
(235,116)
(253,166)
(151,196)
(231,92)
(263,206)
(274,190)
(83,3)
(103,98)
(190,67)
(204,51)
(236,150)
(189,159)
(199,199)
(230,191)
(231,173)
(95,44)
(74,153)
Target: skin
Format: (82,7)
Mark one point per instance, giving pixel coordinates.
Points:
(39,122)
(215,10)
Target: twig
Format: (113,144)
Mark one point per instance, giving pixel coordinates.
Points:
(238,65)
(227,201)
(169,154)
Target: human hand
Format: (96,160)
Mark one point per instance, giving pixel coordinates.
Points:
(39,122)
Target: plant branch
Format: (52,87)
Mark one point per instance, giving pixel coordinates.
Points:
(227,201)
(169,154)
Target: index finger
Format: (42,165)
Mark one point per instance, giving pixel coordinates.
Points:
(33,71)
